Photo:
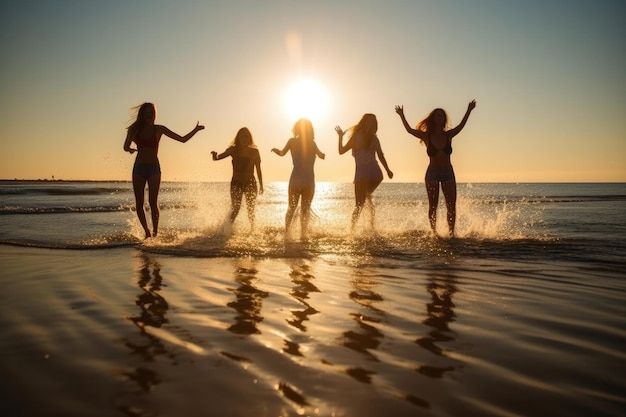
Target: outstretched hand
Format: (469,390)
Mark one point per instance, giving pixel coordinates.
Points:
(471,105)
(400,110)
(199,126)
(339,131)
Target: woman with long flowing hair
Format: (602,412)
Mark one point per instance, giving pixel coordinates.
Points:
(245,158)
(433,131)
(303,150)
(365,147)
(147,170)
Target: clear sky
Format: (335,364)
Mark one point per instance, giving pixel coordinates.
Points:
(549,78)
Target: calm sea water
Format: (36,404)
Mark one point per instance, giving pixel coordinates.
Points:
(522,314)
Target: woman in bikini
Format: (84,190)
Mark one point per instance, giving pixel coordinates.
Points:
(246,158)
(146,136)
(433,131)
(302,181)
(368,175)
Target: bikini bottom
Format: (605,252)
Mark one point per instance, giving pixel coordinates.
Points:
(146,170)
(439,174)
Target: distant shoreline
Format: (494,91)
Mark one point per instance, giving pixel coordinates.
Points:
(48,181)
(58,181)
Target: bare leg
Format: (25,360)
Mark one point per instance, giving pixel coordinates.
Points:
(360,194)
(251,195)
(306,199)
(294,196)
(154,183)
(370,207)
(372,186)
(139,185)
(432,189)
(449,192)
(236,195)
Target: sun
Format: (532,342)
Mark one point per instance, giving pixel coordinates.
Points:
(306,98)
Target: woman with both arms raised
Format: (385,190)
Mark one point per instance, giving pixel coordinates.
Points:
(438,139)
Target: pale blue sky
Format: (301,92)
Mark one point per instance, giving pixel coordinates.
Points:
(549,78)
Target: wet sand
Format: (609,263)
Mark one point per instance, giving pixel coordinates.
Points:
(133,333)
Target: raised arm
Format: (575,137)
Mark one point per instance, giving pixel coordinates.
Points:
(343,149)
(176,136)
(453,132)
(417,133)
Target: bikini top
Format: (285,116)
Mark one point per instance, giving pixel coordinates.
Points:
(432,150)
(151,142)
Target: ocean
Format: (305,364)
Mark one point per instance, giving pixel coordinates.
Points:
(521,314)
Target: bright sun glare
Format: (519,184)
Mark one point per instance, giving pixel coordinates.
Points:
(306,98)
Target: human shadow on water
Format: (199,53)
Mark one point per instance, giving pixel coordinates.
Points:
(367,337)
(303,285)
(441,286)
(248,301)
(301,278)
(152,313)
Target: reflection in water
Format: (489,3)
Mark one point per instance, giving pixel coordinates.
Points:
(302,287)
(248,302)
(152,305)
(152,312)
(152,309)
(441,287)
(367,338)
(301,279)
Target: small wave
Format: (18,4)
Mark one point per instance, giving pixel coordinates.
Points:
(106,242)
(8,210)
(548,199)
(62,245)
(60,190)
(416,247)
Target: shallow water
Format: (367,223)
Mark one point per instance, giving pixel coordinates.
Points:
(522,315)
(137,333)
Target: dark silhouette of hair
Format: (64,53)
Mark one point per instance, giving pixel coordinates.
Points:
(243,133)
(366,128)
(428,124)
(303,129)
(140,119)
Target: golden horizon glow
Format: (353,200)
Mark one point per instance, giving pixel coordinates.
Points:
(267,65)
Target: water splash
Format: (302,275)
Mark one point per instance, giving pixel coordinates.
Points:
(201,228)
(504,220)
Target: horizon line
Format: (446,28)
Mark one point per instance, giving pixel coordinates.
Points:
(317,182)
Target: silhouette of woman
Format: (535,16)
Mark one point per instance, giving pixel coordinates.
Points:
(302,181)
(365,148)
(146,136)
(433,131)
(246,158)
